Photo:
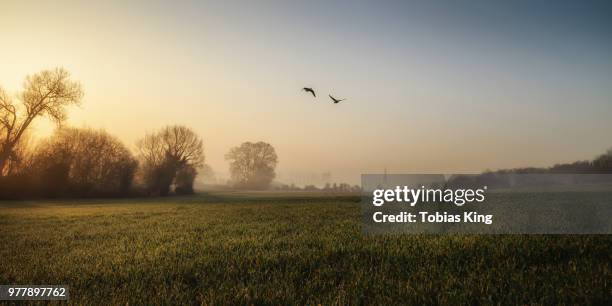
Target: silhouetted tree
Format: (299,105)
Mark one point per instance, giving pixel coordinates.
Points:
(45,94)
(20,158)
(252,165)
(185,176)
(84,162)
(171,156)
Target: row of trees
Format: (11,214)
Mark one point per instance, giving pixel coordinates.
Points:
(601,164)
(79,162)
(329,187)
(520,177)
(86,162)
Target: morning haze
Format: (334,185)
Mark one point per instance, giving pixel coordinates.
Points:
(429,87)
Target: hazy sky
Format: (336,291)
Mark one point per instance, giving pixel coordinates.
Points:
(431,86)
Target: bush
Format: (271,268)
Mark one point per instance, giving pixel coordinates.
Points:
(83,162)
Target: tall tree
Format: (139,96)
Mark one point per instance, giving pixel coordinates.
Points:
(252,165)
(44,94)
(174,150)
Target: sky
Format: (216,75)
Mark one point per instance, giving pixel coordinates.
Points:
(430,86)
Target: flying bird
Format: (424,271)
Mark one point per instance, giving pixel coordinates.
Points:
(336,100)
(308,89)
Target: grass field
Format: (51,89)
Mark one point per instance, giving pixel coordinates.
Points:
(282,249)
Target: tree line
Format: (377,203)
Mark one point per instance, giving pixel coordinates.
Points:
(328,187)
(506,178)
(602,164)
(84,162)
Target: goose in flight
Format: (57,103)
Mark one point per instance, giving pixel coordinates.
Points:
(336,100)
(308,89)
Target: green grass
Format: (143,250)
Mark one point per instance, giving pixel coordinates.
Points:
(282,249)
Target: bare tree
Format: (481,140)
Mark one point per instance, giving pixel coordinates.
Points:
(20,157)
(252,165)
(84,162)
(171,155)
(45,94)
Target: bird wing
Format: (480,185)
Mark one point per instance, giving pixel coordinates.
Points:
(310,90)
(335,100)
